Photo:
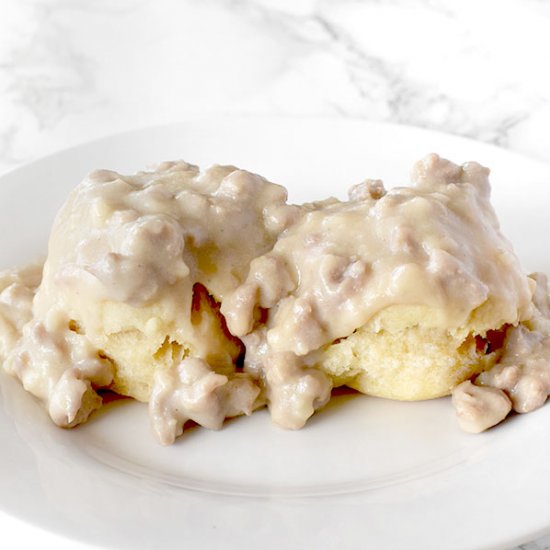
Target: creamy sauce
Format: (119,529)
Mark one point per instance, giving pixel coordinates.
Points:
(290,279)
(522,376)
(17,290)
(141,241)
(435,244)
(54,363)
(193,391)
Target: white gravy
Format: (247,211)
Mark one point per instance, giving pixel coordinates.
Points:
(290,280)
(436,244)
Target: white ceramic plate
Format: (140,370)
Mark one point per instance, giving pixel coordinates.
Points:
(364,473)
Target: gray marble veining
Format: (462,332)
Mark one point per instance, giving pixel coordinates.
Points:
(75,70)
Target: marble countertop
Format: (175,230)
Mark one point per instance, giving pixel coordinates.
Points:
(75,70)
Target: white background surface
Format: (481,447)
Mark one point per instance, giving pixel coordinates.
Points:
(73,70)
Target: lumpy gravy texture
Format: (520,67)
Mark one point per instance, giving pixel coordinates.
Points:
(290,280)
(521,379)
